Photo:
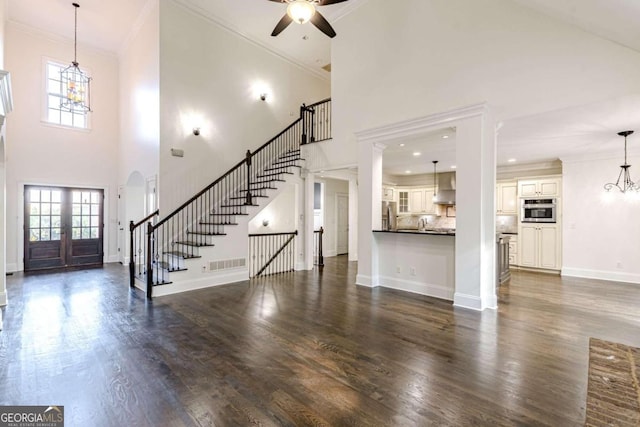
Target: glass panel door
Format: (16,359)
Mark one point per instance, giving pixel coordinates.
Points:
(63,227)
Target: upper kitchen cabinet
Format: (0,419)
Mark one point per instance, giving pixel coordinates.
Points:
(388,194)
(507,198)
(547,187)
(421,200)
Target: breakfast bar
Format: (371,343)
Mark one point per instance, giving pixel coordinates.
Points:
(419,261)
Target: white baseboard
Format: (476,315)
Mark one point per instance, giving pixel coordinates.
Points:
(363,280)
(3,299)
(430,290)
(471,302)
(238,275)
(330,253)
(12,268)
(613,276)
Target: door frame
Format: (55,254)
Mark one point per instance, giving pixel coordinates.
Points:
(106,236)
(121,223)
(337,213)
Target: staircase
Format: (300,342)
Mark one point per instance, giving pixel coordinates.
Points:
(200,244)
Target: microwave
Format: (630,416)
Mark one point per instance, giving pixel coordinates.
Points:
(538,210)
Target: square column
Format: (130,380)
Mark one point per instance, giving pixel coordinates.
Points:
(475,213)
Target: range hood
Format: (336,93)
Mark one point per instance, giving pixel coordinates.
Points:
(446,194)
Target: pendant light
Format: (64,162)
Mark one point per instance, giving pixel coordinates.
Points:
(76,93)
(627,184)
(435,179)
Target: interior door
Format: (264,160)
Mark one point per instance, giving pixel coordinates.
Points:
(63,227)
(122,223)
(342,224)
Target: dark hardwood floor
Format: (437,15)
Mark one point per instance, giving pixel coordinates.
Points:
(307,348)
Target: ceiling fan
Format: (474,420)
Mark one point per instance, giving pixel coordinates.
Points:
(303,11)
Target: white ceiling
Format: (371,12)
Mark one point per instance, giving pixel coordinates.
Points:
(587,130)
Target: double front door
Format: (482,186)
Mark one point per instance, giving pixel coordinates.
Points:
(63,227)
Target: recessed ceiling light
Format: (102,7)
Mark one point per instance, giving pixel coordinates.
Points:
(511,160)
(453,166)
(401,145)
(407,171)
(417,153)
(445,136)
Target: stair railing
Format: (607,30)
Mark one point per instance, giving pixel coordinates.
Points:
(137,254)
(316,121)
(318,258)
(178,236)
(271,253)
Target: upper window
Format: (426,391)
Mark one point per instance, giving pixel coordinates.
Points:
(55,114)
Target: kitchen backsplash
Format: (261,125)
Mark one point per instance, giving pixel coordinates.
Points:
(413,222)
(506,224)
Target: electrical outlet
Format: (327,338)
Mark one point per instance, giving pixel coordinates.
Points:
(398,269)
(412,271)
(619,265)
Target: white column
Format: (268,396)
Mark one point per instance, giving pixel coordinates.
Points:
(3,222)
(353,218)
(475,213)
(370,216)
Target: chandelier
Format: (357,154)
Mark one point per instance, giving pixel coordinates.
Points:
(75,90)
(624,182)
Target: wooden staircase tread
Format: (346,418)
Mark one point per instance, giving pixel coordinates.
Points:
(229,214)
(286,166)
(182,254)
(259,188)
(217,223)
(203,233)
(237,206)
(273,174)
(245,197)
(264,181)
(164,282)
(194,244)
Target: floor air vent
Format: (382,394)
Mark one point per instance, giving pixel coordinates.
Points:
(227,264)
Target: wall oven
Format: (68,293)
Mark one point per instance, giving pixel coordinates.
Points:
(538,210)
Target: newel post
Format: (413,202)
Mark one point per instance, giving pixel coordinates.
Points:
(248,200)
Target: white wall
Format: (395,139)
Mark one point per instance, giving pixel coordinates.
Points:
(208,78)
(3,225)
(280,212)
(38,153)
(139,97)
(399,60)
(600,229)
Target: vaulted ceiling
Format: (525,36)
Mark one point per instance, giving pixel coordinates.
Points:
(588,129)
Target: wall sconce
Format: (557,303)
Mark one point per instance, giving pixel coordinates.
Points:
(263,96)
(265,222)
(196,131)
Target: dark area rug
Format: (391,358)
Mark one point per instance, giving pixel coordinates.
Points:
(613,394)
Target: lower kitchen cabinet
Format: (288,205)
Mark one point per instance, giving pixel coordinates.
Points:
(513,250)
(539,246)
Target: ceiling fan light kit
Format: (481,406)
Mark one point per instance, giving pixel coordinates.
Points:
(303,11)
(624,182)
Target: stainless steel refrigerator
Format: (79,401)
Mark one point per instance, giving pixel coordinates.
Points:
(389,216)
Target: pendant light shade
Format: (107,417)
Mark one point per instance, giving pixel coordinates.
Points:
(624,182)
(435,180)
(76,90)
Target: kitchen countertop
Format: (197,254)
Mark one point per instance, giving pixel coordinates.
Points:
(428,232)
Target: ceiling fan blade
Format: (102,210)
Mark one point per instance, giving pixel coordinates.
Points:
(326,2)
(284,23)
(323,25)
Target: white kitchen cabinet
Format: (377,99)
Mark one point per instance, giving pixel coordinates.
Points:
(403,201)
(513,249)
(544,187)
(507,198)
(421,200)
(388,194)
(539,246)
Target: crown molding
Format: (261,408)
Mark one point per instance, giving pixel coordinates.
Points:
(141,19)
(56,38)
